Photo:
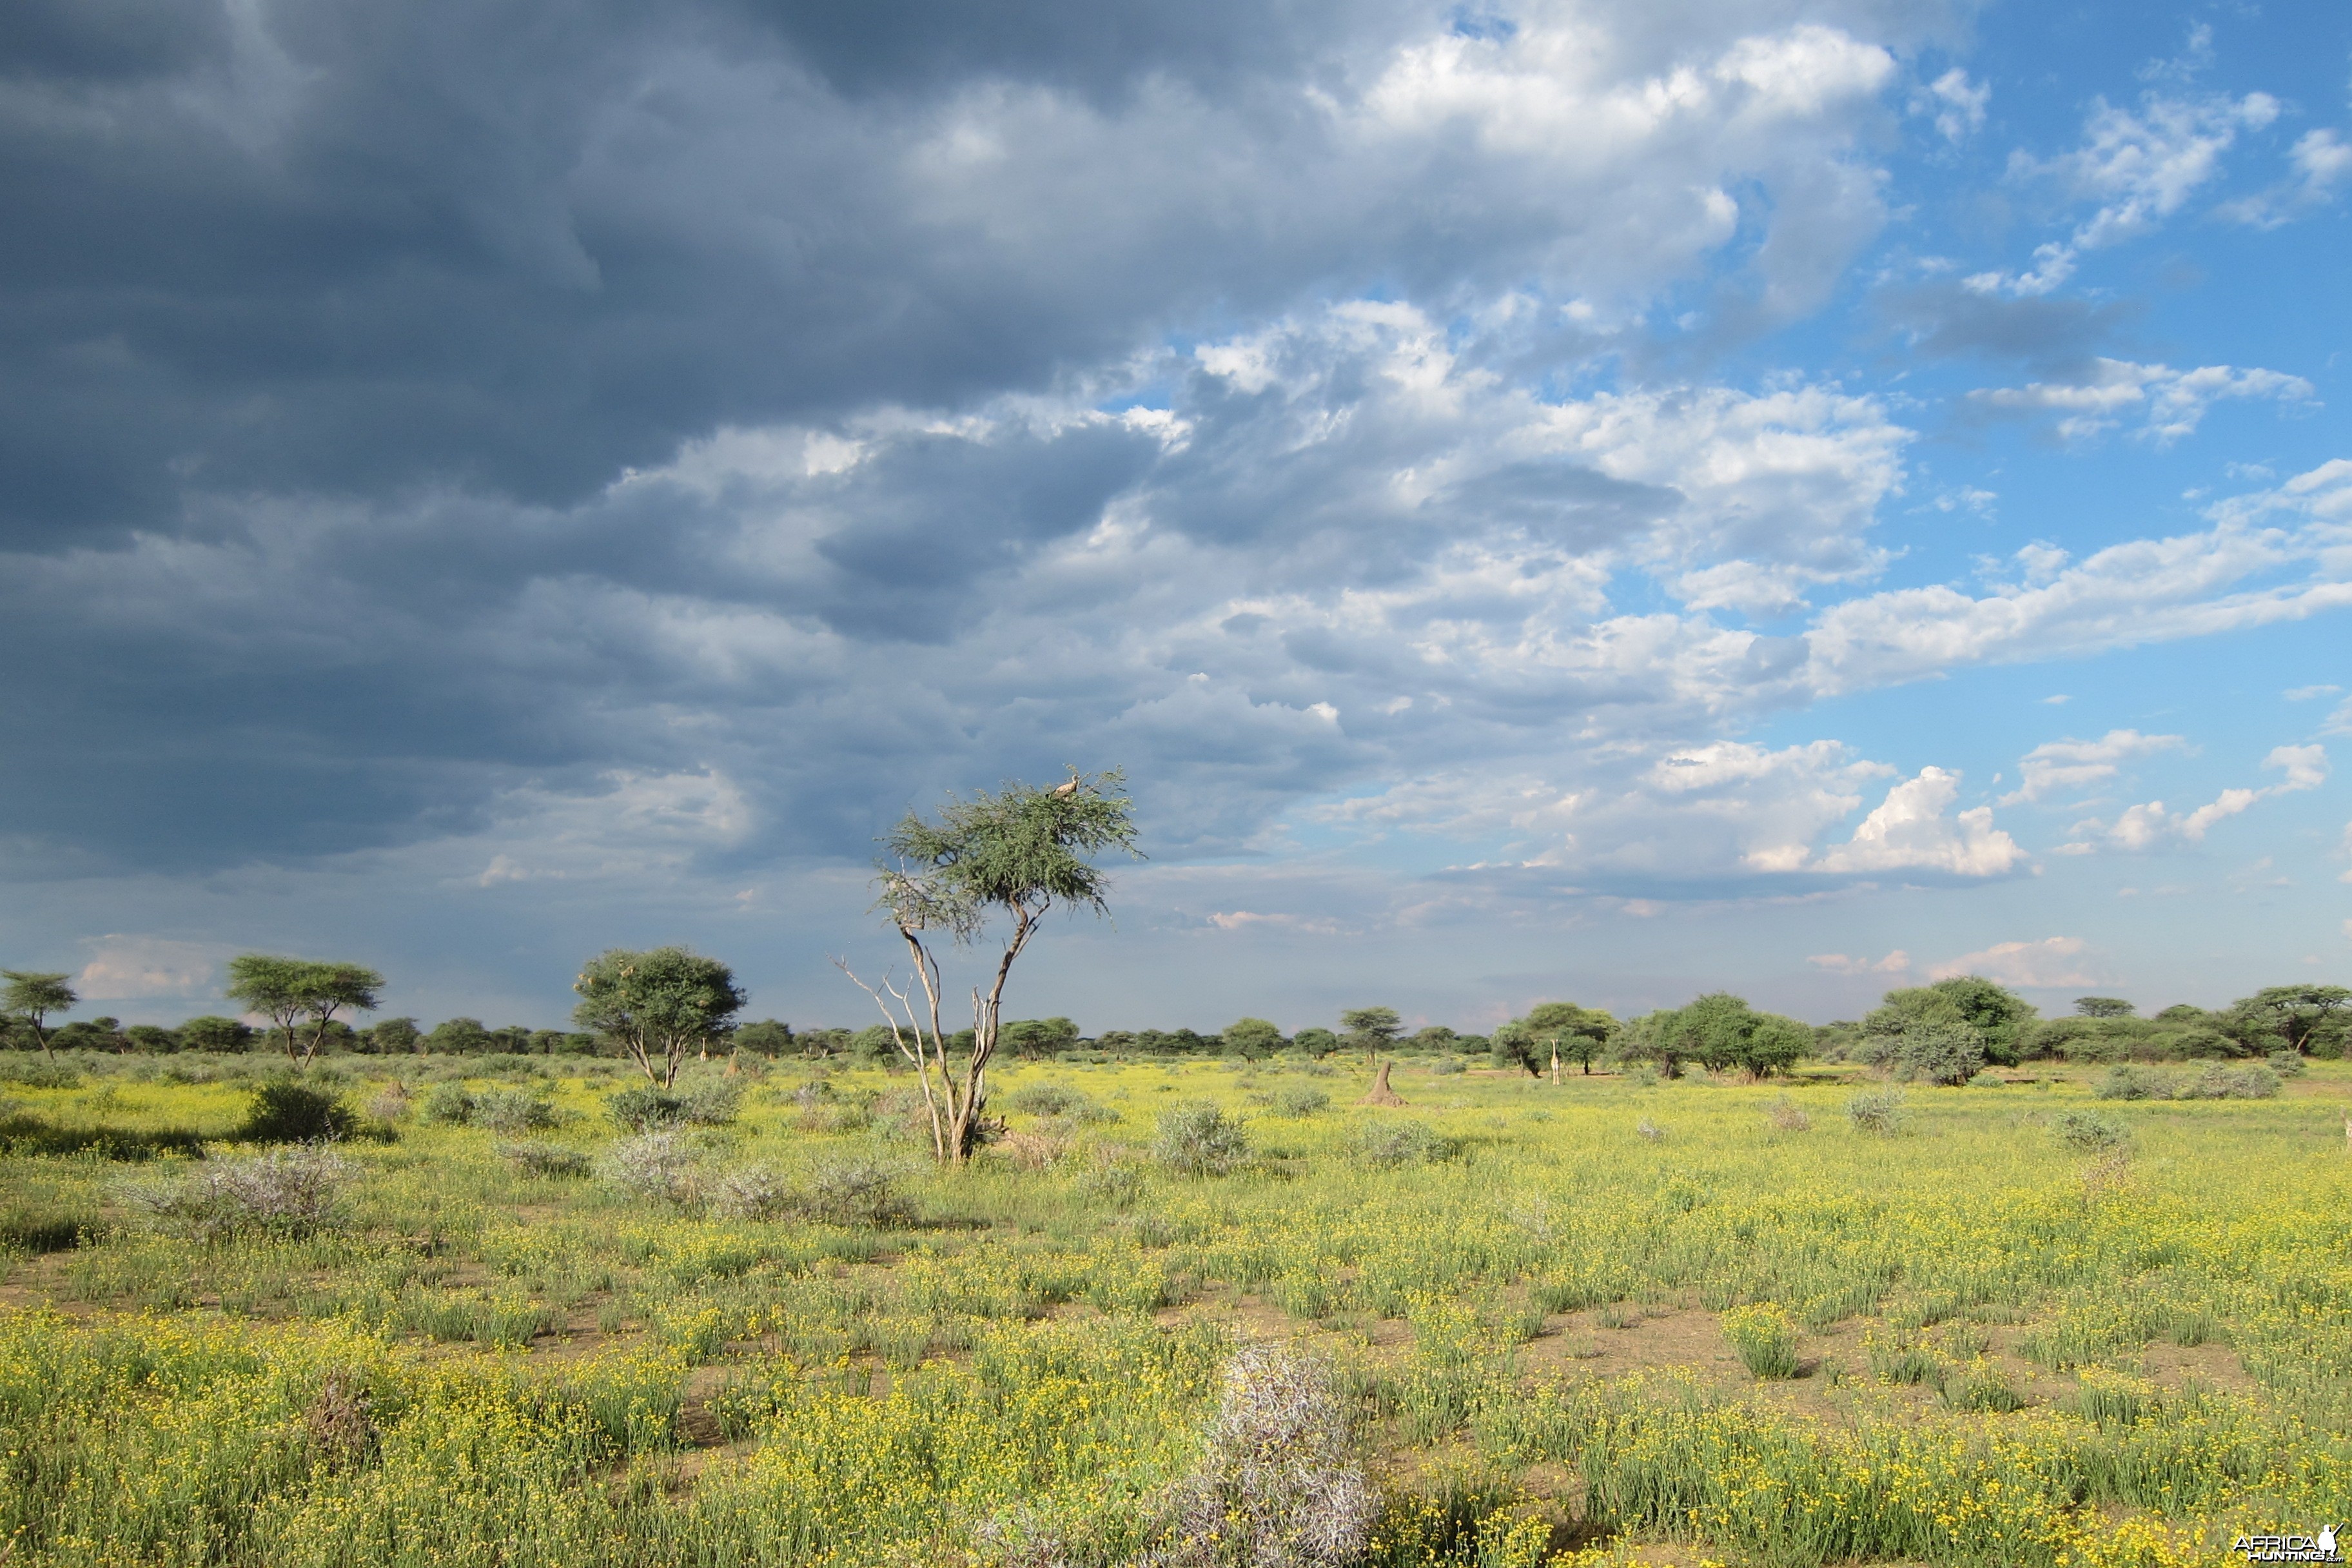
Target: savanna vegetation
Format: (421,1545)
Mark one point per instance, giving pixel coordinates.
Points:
(1953,1284)
(521,1311)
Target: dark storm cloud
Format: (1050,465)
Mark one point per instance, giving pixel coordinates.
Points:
(329,335)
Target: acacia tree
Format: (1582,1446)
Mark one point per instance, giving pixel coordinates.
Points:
(1371,1030)
(288,991)
(1012,855)
(32,997)
(656,1004)
(2302,1015)
(1570,1033)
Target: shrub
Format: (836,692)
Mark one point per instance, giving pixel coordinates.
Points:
(714,1103)
(1298,1100)
(656,1166)
(1765,1338)
(1045,1099)
(1200,1140)
(2220,1082)
(2135,1083)
(1877,1110)
(1275,1486)
(1944,1054)
(450,1104)
(1650,1131)
(286,1112)
(751,1191)
(23,1133)
(31,1225)
(511,1111)
(391,1103)
(544,1159)
(281,1193)
(2090,1131)
(1987,1079)
(1385,1145)
(1642,1075)
(1786,1116)
(858,1193)
(1448,1066)
(643,1106)
(2288,1064)
(1113,1183)
(38,1073)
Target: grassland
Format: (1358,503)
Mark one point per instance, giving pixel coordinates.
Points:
(1542,1303)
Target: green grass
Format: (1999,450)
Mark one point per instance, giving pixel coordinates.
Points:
(1552,1328)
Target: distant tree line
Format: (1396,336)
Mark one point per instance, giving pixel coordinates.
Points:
(1945,1032)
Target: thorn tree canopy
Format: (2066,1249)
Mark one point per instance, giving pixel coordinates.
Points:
(657,1004)
(1013,856)
(33,997)
(288,990)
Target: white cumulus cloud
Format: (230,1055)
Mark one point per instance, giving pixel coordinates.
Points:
(2072,765)
(1910,831)
(123,968)
(2168,403)
(2054,961)
(2149,826)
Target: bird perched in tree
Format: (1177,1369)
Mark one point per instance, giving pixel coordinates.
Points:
(1063,792)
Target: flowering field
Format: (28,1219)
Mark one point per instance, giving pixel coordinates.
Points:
(1603,1321)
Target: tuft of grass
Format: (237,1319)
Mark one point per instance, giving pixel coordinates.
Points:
(1765,1338)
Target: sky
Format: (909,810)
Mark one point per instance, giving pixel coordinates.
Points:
(1544,501)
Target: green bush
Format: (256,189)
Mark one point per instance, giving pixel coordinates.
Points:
(23,1133)
(1200,1140)
(2220,1082)
(1045,1099)
(286,1112)
(544,1159)
(2135,1083)
(2090,1131)
(1386,1145)
(1877,1110)
(2288,1064)
(510,1110)
(858,1193)
(713,1103)
(449,1103)
(1300,1101)
(643,1107)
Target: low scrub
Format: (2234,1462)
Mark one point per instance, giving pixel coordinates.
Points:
(1385,1145)
(29,1225)
(37,1072)
(1300,1101)
(1878,1111)
(284,1193)
(511,1111)
(2090,1131)
(660,1166)
(2215,1080)
(286,1112)
(857,1192)
(1200,1140)
(751,1191)
(544,1159)
(23,1133)
(1276,1485)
